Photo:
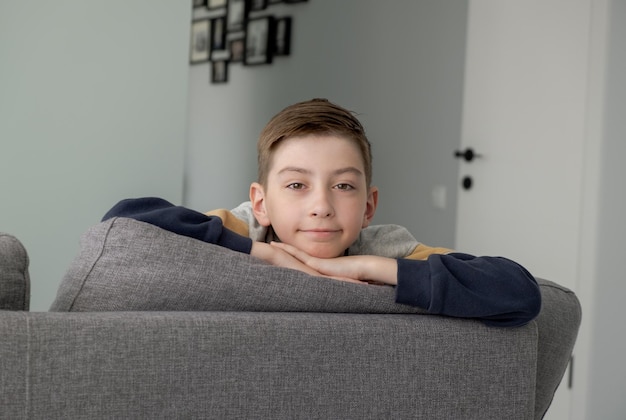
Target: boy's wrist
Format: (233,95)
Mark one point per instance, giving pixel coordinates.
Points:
(380,269)
(260,250)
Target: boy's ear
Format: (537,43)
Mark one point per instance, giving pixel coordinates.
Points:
(257,197)
(370,209)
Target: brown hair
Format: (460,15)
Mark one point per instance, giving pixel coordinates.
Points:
(316,116)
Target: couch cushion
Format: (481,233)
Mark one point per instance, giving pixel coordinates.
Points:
(14,278)
(127,265)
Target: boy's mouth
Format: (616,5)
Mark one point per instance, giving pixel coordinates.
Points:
(320,233)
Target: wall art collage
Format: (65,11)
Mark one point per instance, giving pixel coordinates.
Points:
(238,31)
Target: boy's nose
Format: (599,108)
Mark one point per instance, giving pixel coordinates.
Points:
(321,213)
(321,206)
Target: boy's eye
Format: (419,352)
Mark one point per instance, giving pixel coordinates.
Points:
(295,186)
(345,187)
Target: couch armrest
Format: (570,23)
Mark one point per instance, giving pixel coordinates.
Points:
(14,278)
(558,324)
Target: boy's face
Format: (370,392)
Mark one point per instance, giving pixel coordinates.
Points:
(316,197)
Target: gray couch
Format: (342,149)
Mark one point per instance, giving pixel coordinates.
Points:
(151,325)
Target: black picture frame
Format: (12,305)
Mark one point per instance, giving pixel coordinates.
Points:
(219,72)
(200,41)
(257,5)
(236,15)
(218,34)
(259,41)
(282,36)
(236,48)
(215,4)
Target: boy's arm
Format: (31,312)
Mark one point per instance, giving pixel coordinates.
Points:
(207,228)
(180,220)
(496,290)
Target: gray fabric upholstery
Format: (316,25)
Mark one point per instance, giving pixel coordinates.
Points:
(558,324)
(133,266)
(14,278)
(233,362)
(227,365)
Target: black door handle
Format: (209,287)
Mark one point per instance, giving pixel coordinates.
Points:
(467,182)
(468,154)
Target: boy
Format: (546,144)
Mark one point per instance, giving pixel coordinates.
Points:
(311,210)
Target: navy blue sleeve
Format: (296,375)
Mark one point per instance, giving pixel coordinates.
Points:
(496,290)
(180,220)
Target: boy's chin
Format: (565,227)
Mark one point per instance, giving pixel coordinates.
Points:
(324,252)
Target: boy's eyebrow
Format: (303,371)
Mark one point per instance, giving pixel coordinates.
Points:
(340,171)
(349,169)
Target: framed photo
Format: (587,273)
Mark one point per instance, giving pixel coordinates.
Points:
(198,3)
(220,55)
(218,34)
(259,41)
(237,48)
(219,71)
(256,5)
(215,4)
(200,41)
(282,36)
(235,15)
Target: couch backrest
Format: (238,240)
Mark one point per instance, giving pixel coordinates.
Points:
(14,278)
(557,324)
(263,365)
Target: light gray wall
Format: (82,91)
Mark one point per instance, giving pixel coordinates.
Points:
(607,383)
(93,100)
(398,64)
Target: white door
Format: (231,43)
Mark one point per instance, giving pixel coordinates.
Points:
(524,111)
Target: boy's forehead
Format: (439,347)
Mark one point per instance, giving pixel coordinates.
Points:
(320,143)
(327,148)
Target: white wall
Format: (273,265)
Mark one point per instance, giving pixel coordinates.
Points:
(93,100)
(398,64)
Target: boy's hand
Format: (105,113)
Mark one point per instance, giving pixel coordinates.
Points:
(362,268)
(276,256)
